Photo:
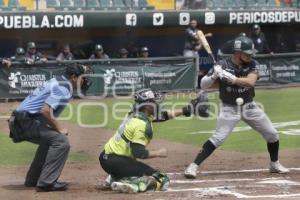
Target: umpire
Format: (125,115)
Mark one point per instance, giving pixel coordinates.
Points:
(34,121)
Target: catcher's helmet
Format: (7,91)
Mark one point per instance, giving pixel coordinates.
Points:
(147,95)
(245,45)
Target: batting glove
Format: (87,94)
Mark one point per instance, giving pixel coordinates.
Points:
(217,71)
(227,77)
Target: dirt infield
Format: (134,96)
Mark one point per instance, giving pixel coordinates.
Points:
(225,175)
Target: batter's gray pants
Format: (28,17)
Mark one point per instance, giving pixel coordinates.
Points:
(50,157)
(250,113)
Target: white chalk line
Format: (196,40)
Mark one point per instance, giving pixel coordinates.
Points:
(227,180)
(224,190)
(227,190)
(230,171)
(247,128)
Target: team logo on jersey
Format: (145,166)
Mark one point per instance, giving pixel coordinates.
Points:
(237,44)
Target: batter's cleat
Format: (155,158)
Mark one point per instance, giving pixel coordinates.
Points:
(191,171)
(124,187)
(276,167)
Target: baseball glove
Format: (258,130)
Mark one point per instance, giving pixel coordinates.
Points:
(198,106)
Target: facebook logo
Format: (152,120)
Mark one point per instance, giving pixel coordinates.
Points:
(131,19)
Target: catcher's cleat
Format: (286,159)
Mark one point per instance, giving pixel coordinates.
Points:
(124,187)
(108,181)
(276,167)
(191,171)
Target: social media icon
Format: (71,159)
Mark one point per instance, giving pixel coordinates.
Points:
(131,19)
(210,18)
(184,18)
(158,19)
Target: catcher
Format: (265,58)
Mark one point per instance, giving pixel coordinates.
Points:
(120,154)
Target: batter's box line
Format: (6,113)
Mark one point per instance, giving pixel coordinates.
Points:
(225,190)
(227,180)
(230,171)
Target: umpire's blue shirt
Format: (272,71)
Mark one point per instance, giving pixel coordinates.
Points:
(54,93)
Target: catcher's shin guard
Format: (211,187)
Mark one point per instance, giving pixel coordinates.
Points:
(162,181)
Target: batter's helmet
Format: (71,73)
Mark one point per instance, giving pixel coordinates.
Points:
(245,45)
(147,95)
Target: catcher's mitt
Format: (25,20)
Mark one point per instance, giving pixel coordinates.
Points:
(198,106)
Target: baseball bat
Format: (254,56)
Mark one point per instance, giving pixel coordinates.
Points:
(205,44)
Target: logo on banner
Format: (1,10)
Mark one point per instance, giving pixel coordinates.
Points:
(158,19)
(26,80)
(108,76)
(210,18)
(131,19)
(111,76)
(13,79)
(184,18)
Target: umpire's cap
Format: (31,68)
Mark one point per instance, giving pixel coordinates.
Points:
(31,45)
(147,95)
(245,45)
(98,47)
(20,51)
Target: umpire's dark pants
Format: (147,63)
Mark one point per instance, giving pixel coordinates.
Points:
(50,156)
(121,166)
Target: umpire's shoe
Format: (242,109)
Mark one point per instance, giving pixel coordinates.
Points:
(55,187)
(276,167)
(191,171)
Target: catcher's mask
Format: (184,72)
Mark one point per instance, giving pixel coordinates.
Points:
(147,97)
(80,70)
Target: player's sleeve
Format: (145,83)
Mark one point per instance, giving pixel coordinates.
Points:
(139,151)
(59,95)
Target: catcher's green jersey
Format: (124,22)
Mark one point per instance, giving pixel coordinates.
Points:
(135,128)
